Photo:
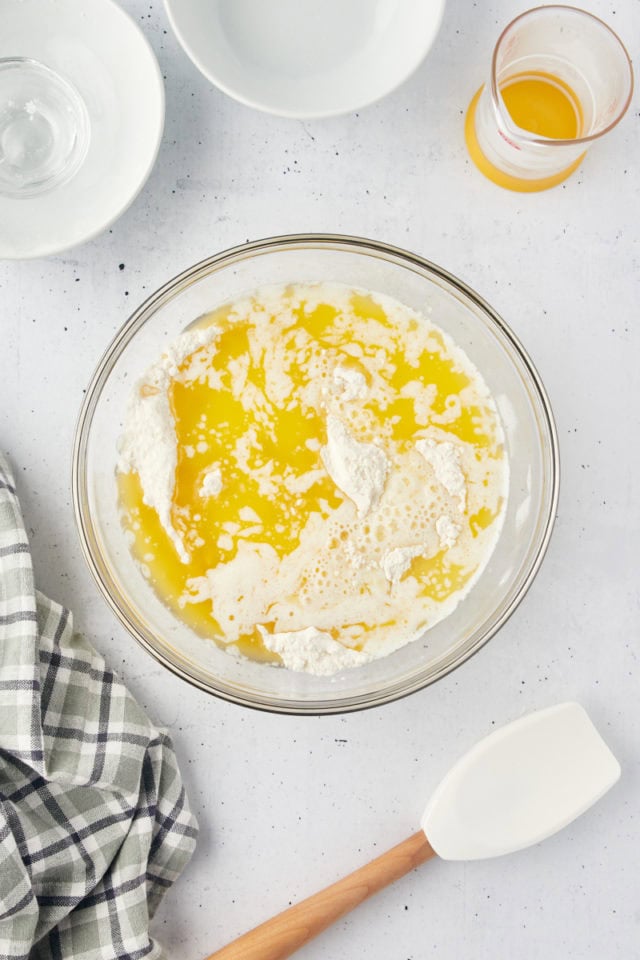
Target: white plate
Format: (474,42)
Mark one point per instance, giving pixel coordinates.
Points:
(306,58)
(96,46)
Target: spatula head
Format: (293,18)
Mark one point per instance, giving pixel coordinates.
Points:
(520,785)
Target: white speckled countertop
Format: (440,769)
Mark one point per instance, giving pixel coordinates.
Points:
(287,805)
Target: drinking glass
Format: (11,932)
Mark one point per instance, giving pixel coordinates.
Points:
(560,78)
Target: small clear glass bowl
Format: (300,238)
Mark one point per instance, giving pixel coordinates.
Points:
(473,324)
(44,128)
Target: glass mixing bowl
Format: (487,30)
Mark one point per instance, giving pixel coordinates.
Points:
(493,348)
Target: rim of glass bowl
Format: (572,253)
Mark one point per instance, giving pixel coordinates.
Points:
(89,542)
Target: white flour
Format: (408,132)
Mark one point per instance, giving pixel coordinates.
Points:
(358,469)
(349,383)
(396,562)
(311,651)
(448,532)
(445,460)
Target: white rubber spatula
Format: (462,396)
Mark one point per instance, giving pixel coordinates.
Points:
(516,787)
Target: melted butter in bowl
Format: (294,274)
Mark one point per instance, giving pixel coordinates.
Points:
(312,476)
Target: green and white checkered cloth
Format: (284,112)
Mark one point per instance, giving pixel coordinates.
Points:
(94,822)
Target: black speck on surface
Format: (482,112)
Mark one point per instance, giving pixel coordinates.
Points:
(121,266)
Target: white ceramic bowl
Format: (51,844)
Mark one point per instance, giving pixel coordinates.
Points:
(306,58)
(97,48)
(489,343)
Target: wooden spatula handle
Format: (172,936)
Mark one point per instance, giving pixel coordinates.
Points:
(288,931)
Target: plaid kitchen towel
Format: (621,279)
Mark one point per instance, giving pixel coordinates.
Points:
(94,822)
